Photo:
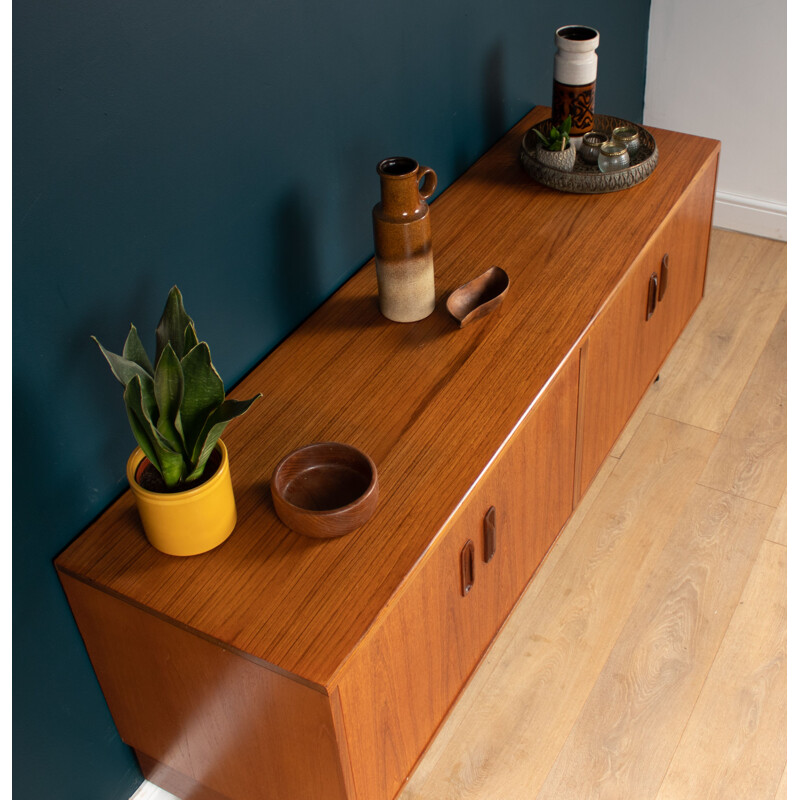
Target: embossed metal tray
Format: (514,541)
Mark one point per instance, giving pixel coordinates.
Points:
(585,178)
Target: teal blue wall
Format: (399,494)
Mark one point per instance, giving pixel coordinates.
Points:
(228,147)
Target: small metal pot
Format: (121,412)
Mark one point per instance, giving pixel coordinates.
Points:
(590,146)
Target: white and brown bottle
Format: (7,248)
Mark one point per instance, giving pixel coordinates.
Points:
(575,77)
(402,230)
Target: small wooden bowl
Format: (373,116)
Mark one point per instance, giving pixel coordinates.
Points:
(325,489)
(479,297)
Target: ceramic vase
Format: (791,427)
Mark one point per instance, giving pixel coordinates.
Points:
(575,77)
(402,230)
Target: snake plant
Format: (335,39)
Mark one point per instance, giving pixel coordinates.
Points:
(557,137)
(177,410)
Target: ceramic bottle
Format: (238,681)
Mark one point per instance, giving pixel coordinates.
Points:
(402,230)
(575,77)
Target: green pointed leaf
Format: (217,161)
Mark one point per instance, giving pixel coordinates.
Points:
(139,422)
(203,393)
(134,351)
(173,468)
(172,325)
(169,462)
(148,397)
(197,473)
(138,399)
(189,338)
(213,429)
(168,385)
(170,433)
(124,369)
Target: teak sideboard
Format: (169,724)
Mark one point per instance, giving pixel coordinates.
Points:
(279,667)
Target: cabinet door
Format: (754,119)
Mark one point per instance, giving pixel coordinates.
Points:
(678,254)
(630,339)
(400,683)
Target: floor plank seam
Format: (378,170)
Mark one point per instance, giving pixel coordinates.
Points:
(683,422)
(740,497)
(775,544)
(772,541)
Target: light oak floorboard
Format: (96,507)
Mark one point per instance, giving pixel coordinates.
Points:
(750,458)
(554,645)
(622,743)
(782,788)
(642,410)
(738,729)
(778,530)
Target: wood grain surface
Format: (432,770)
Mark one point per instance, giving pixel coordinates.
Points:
(625,348)
(529,696)
(704,375)
(732,730)
(410,668)
(778,532)
(713,366)
(210,722)
(750,458)
(604,653)
(780,794)
(621,744)
(428,402)
(468,709)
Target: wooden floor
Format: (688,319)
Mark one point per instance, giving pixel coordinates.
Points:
(647,659)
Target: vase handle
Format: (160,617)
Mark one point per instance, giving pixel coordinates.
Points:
(428,184)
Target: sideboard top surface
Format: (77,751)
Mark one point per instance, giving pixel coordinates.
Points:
(430,403)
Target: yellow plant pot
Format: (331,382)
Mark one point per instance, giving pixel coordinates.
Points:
(190,522)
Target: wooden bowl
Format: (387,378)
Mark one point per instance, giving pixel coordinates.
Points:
(325,489)
(479,297)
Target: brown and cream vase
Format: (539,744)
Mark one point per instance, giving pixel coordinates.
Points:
(575,77)
(402,229)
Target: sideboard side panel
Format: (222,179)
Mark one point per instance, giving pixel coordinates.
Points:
(205,719)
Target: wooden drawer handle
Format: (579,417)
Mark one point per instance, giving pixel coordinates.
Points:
(489,535)
(467,567)
(662,284)
(652,296)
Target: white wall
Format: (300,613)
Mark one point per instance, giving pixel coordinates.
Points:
(717,68)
